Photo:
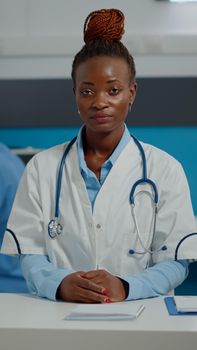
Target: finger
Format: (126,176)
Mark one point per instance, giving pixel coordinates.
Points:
(102,278)
(75,288)
(90,285)
(99,276)
(96,273)
(88,296)
(97,287)
(91,274)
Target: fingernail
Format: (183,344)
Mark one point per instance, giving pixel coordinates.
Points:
(107,300)
(105,291)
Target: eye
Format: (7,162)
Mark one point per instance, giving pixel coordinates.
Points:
(86,92)
(114,91)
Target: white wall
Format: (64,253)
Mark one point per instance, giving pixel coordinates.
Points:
(38,38)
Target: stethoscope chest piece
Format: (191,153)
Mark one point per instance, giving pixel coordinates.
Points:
(54,228)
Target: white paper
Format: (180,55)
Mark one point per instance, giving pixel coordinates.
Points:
(114,311)
(186,303)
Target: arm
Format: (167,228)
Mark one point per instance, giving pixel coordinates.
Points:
(10,172)
(154,281)
(157,280)
(42,277)
(13,168)
(45,280)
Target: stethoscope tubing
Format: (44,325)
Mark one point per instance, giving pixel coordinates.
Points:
(143,180)
(18,247)
(180,242)
(59,180)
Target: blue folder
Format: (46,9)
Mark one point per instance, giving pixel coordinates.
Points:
(171,307)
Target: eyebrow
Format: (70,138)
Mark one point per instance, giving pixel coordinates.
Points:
(108,81)
(113,81)
(87,83)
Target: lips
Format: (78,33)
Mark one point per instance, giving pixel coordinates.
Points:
(101,117)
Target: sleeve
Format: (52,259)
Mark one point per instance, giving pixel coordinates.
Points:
(11,170)
(42,277)
(9,179)
(27,204)
(157,280)
(175,217)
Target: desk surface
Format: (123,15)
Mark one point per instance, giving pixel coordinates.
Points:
(28,322)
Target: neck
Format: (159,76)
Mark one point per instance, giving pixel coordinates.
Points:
(101,144)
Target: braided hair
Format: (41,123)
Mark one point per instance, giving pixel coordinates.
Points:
(103,30)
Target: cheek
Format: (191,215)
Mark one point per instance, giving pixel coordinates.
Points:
(121,104)
(80,103)
(83,107)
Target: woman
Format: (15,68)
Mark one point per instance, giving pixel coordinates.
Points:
(91,252)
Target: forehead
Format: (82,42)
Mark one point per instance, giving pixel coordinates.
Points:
(102,67)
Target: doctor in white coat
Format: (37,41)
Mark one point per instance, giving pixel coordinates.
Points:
(108,244)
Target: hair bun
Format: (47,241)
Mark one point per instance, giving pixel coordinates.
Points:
(105,24)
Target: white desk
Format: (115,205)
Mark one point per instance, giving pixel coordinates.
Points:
(30,323)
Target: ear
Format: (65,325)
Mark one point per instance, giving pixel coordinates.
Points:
(133,90)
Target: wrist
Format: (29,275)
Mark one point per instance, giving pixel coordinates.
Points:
(125,286)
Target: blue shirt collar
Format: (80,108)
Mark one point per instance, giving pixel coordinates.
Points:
(126,137)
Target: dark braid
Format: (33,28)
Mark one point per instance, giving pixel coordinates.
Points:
(103,30)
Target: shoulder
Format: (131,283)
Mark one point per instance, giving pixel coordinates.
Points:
(50,153)
(158,155)
(8,157)
(11,164)
(161,165)
(47,159)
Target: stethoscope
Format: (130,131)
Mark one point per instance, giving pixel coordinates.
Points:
(55,228)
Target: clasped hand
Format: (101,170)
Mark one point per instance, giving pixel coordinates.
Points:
(97,286)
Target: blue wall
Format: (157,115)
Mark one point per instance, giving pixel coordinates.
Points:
(181,142)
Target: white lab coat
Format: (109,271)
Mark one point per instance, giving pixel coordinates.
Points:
(102,238)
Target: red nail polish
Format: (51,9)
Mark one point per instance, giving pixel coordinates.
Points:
(107,300)
(106,292)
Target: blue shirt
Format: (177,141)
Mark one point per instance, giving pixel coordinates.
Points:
(43,278)
(93,185)
(11,169)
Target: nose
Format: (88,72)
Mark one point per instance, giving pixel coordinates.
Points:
(100,101)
